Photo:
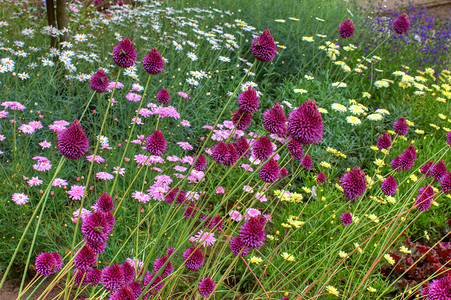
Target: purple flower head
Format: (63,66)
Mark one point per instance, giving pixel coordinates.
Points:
(98,246)
(156,144)
(262,149)
(295,149)
(158,264)
(252,233)
(152,284)
(170,251)
(354,183)
(269,172)
(124,54)
(425,168)
(206,286)
(401,24)
(346,219)
(136,288)
(193,258)
(93,277)
(153,63)
(406,160)
(389,186)
(163,96)
(321,178)
(346,29)
(241,119)
(95,229)
(438,170)
(129,272)
(225,154)
(306,162)
(445,183)
(274,120)
(283,173)
(112,277)
(384,141)
(124,293)
(79,277)
(425,197)
(242,146)
(211,223)
(400,126)
(201,163)
(448,138)
(440,289)
(237,246)
(305,124)
(248,100)
(263,47)
(98,2)
(48,263)
(170,197)
(85,259)
(72,141)
(105,203)
(190,211)
(99,81)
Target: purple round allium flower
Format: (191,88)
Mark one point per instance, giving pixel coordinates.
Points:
(110,221)
(269,172)
(384,141)
(445,183)
(285,298)
(283,172)
(346,219)
(79,277)
(206,287)
(136,288)
(438,170)
(158,264)
(354,183)
(448,138)
(274,120)
(170,251)
(321,178)
(156,144)
(389,186)
(242,146)
(124,54)
(295,149)
(85,259)
(252,233)
(170,197)
(248,100)
(440,289)
(394,164)
(93,277)
(425,197)
(241,119)
(263,47)
(401,24)
(153,63)
(98,2)
(124,293)
(220,152)
(400,126)
(346,29)
(120,3)
(262,149)
(129,272)
(425,168)
(112,277)
(72,141)
(201,163)
(152,284)
(305,124)
(105,203)
(237,246)
(48,263)
(163,96)
(99,81)
(190,210)
(193,258)
(98,247)
(95,228)
(306,162)
(406,160)
(232,156)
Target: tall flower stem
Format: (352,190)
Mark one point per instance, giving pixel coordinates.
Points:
(87,105)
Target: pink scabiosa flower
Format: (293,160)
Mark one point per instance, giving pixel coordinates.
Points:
(85,259)
(153,63)
(170,197)
(158,264)
(72,141)
(201,163)
(112,277)
(206,286)
(156,144)
(321,178)
(295,149)
(346,29)
(401,24)
(163,96)
(305,124)
(105,203)
(152,284)
(124,54)
(252,233)
(425,197)
(400,126)
(241,119)
(263,47)
(425,168)
(269,172)
(389,186)
(129,272)
(48,263)
(306,162)
(445,183)
(274,120)
(242,146)
(346,219)
(262,149)
(248,101)
(384,141)
(193,258)
(438,170)
(206,238)
(354,183)
(237,246)
(99,81)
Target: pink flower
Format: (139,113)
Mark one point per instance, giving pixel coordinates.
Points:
(104,176)
(44,144)
(261,197)
(220,190)
(84,213)
(59,182)
(14,105)
(36,124)
(76,192)
(206,238)
(98,159)
(3,114)
(133,97)
(27,129)
(120,171)
(140,196)
(235,215)
(34,181)
(180,168)
(251,213)
(185,145)
(184,95)
(185,123)
(42,166)
(20,198)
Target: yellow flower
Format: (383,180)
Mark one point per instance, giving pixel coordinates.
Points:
(338,187)
(285,196)
(270,237)
(277,192)
(287,256)
(389,259)
(308,77)
(356,109)
(286,225)
(318,19)
(379,162)
(306,190)
(280,20)
(418,131)
(300,91)
(342,254)
(332,290)
(405,250)
(442,116)
(373,218)
(331,150)
(381,83)
(413,177)
(308,39)
(385,151)
(391,199)
(338,107)
(296,197)
(371,289)
(255,260)
(426,235)
(339,154)
(322,110)
(374,117)
(293,18)
(357,246)
(339,84)
(325,164)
